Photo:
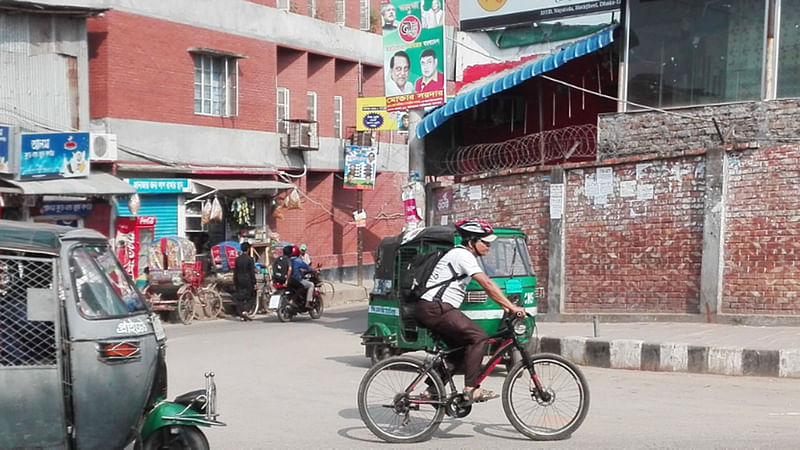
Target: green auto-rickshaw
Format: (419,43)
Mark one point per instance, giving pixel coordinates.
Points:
(391,328)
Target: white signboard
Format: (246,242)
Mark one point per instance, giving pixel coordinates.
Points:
(485,14)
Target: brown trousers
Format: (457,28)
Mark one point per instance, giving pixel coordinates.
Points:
(456,330)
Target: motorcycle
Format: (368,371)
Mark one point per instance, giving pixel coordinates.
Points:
(288,302)
(82,353)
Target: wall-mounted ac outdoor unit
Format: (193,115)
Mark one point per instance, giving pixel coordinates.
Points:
(303,135)
(103,147)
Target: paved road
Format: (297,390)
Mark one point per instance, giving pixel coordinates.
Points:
(294,386)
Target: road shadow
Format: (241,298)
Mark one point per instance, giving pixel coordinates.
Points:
(353,320)
(361,362)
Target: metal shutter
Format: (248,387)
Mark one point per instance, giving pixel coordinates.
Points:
(164,207)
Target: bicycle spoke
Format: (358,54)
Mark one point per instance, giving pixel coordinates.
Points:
(537,416)
(392,413)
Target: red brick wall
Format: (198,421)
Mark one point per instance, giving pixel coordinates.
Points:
(762,245)
(635,253)
(142,70)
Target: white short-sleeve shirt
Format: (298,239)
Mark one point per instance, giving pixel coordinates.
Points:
(463,262)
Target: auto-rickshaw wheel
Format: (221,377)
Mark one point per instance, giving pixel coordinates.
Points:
(185,308)
(378,352)
(187,437)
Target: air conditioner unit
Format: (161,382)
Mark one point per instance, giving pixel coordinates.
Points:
(303,135)
(103,147)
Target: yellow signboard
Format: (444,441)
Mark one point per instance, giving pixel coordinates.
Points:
(371,115)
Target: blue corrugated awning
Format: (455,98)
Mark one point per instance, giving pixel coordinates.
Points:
(541,65)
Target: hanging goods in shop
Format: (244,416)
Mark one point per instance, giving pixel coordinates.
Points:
(134,203)
(292,201)
(216,210)
(241,211)
(205,217)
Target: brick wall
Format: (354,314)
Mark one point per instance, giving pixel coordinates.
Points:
(762,230)
(634,236)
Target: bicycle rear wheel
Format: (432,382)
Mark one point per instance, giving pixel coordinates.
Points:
(552,418)
(212,303)
(392,413)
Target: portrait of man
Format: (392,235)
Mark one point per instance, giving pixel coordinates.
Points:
(388,17)
(431,79)
(398,83)
(432,17)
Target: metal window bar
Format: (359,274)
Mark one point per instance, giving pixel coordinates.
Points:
(24,339)
(337,116)
(365,19)
(340,14)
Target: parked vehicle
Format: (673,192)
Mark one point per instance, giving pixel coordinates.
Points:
(391,328)
(288,302)
(82,358)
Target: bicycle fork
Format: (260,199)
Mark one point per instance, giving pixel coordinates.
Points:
(539,392)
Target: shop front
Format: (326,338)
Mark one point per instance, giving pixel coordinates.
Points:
(161,198)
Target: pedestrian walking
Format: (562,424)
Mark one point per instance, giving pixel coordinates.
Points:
(244,278)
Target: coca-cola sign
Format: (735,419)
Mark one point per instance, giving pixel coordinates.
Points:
(146,220)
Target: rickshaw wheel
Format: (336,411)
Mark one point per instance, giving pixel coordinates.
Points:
(379,352)
(212,303)
(188,438)
(185,308)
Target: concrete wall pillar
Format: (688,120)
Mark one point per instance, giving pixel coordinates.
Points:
(555,273)
(712,265)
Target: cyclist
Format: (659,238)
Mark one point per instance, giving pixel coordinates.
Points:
(438,310)
(296,279)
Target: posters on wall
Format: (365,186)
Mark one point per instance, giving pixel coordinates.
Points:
(371,115)
(413,49)
(54,155)
(360,167)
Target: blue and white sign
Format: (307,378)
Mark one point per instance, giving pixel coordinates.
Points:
(160,185)
(66,208)
(5,132)
(54,155)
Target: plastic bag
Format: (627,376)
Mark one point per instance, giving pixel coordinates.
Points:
(133,204)
(205,217)
(292,201)
(216,211)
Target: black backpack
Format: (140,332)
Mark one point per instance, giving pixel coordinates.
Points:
(422,267)
(280,268)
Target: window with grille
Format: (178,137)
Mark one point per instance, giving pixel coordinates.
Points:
(215,85)
(365,25)
(311,108)
(283,4)
(282,114)
(312,8)
(337,117)
(340,12)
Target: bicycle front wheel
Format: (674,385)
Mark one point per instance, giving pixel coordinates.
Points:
(212,303)
(557,412)
(394,409)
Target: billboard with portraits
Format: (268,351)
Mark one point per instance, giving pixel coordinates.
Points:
(413,50)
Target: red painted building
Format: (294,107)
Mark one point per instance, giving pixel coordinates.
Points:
(241,99)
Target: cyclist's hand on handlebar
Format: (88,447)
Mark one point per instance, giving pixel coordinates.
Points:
(518,311)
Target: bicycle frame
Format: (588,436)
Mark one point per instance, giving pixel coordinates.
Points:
(508,342)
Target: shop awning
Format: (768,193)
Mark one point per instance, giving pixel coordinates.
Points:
(250,187)
(525,72)
(97,183)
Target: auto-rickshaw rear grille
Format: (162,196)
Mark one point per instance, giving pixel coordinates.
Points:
(476,296)
(27,311)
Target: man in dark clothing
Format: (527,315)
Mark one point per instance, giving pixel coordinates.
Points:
(244,278)
(296,279)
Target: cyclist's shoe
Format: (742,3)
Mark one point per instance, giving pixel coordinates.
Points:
(479,395)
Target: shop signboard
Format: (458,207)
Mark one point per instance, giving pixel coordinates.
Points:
(4,146)
(66,208)
(360,166)
(45,156)
(371,115)
(488,14)
(413,53)
(160,185)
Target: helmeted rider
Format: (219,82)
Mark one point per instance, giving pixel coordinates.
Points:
(296,280)
(443,316)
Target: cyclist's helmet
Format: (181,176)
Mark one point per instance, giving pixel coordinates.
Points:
(474,228)
(295,251)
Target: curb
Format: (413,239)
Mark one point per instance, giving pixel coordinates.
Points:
(347,294)
(640,355)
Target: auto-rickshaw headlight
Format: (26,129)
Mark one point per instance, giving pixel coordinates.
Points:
(520,327)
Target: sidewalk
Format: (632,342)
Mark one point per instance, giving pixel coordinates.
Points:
(772,351)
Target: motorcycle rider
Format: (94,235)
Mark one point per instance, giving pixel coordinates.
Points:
(443,316)
(296,280)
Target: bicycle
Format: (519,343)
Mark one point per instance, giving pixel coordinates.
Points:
(402,399)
